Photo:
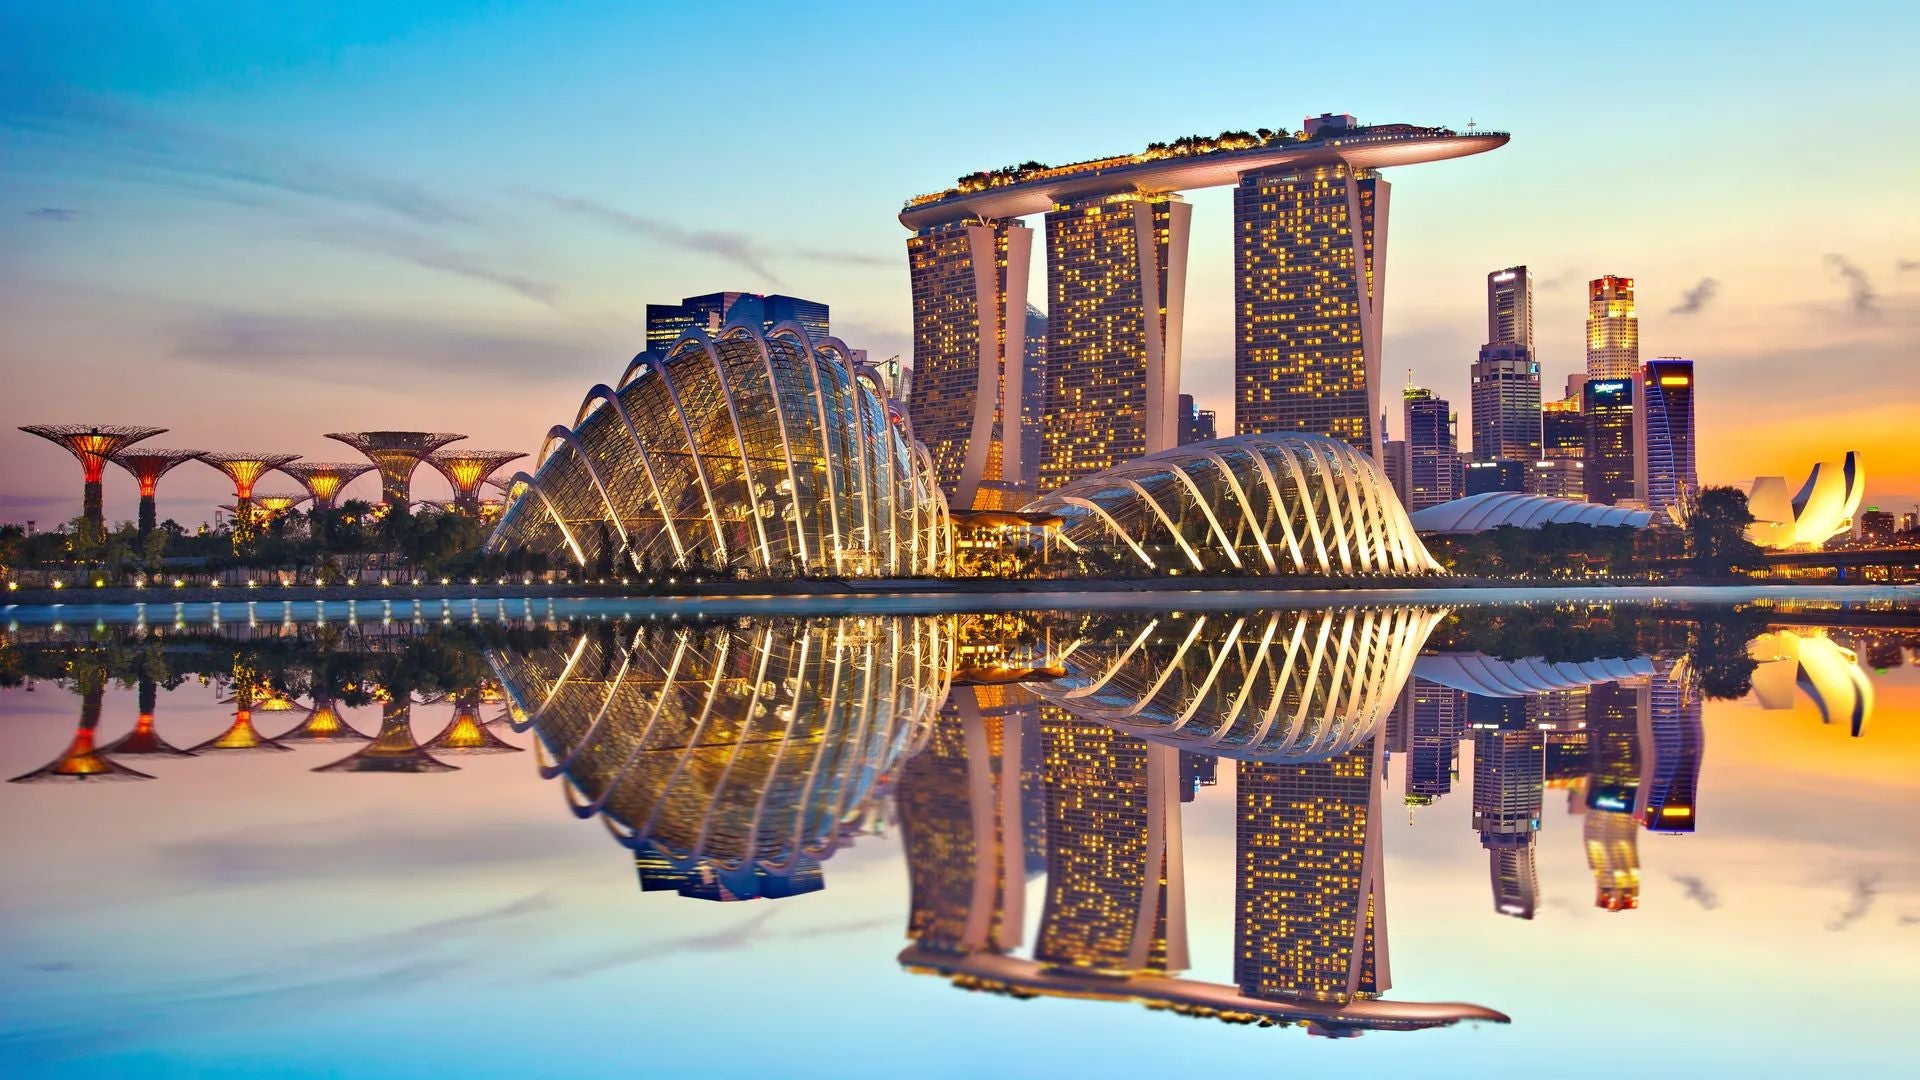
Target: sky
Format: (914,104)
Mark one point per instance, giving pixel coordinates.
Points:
(255,224)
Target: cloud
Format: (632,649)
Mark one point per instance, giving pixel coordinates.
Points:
(1698,891)
(424,936)
(53,213)
(306,344)
(1553,281)
(351,851)
(1861,299)
(1905,265)
(1910,920)
(1863,889)
(433,255)
(737,249)
(101,130)
(1696,299)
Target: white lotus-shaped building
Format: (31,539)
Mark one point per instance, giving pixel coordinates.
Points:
(1824,508)
(1255,504)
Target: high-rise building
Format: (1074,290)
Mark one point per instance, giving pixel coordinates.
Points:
(969,330)
(1196,424)
(1509,773)
(1672,740)
(1613,329)
(710,312)
(1393,462)
(960,808)
(1612,453)
(1116,298)
(1033,398)
(1433,457)
(1613,744)
(1116,889)
(1310,251)
(1484,476)
(1613,854)
(1506,404)
(1561,470)
(1439,716)
(1510,307)
(1667,478)
(1310,917)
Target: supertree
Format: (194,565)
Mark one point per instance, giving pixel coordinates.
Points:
(245,468)
(143,740)
(80,760)
(394,749)
(396,454)
(323,724)
(324,479)
(92,444)
(270,505)
(467,470)
(148,464)
(465,734)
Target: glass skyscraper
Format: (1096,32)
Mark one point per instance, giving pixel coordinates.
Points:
(1613,329)
(1510,307)
(1309,273)
(666,322)
(1612,441)
(1668,478)
(1433,457)
(1506,404)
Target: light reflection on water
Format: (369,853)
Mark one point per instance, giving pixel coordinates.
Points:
(1137,835)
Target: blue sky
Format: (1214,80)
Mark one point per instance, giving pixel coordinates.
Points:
(255,224)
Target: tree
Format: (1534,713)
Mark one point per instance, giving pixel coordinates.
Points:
(1717,533)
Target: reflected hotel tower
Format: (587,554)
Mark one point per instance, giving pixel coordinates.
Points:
(1310,213)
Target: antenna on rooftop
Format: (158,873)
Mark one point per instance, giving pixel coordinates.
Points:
(1470,124)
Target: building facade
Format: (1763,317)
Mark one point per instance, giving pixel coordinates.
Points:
(1561,470)
(1309,277)
(1612,452)
(710,312)
(1116,300)
(1196,424)
(1506,404)
(1510,307)
(1433,457)
(1667,478)
(969,328)
(1613,329)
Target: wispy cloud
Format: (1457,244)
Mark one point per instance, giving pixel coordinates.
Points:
(1553,281)
(845,258)
(424,251)
(425,936)
(1698,891)
(735,248)
(1862,890)
(53,213)
(1905,265)
(348,342)
(1696,299)
(1861,299)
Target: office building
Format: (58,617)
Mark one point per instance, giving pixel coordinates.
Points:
(1196,424)
(1561,471)
(1033,398)
(1433,457)
(1310,917)
(1116,297)
(1438,716)
(1510,307)
(1613,329)
(1611,457)
(969,329)
(1506,404)
(1509,773)
(1876,526)
(1667,478)
(1672,740)
(1309,274)
(1485,476)
(708,313)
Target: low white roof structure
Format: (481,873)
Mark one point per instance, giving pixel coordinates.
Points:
(1493,509)
(1478,673)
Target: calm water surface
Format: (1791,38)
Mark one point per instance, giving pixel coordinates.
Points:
(507,838)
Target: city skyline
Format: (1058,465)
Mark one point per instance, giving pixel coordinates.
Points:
(165,187)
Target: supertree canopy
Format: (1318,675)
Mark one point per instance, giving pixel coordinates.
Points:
(245,468)
(467,470)
(324,479)
(148,464)
(396,454)
(92,444)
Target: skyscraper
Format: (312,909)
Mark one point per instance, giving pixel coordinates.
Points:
(1560,472)
(1439,715)
(710,312)
(1033,399)
(961,810)
(1672,739)
(1509,773)
(1310,917)
(1612,453)
(1116,298)
(1310,249)
(1510,307)
(1433,459)
(969,330)
(1116,890)
(1667,478)
(1196,423)
(1613,329)
(1506,404)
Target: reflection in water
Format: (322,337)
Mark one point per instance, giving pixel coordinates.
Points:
(733,759)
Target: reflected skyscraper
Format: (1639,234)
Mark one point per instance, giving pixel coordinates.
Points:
(1672,740)
(1309,897)
(1509,770)
(1438,717)
(1613,854)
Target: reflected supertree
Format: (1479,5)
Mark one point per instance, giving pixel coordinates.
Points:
(394,750)
(80,760)
(241,737)
(143,739)
(465,734)
(92,445)
(323,724)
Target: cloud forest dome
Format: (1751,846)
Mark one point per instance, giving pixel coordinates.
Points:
(1281,503)
(735,752)
(767,452)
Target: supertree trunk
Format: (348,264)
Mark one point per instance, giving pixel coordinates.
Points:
(148,512)
(149,695)
(94,510)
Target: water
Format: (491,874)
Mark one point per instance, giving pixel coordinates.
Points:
(674,837)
